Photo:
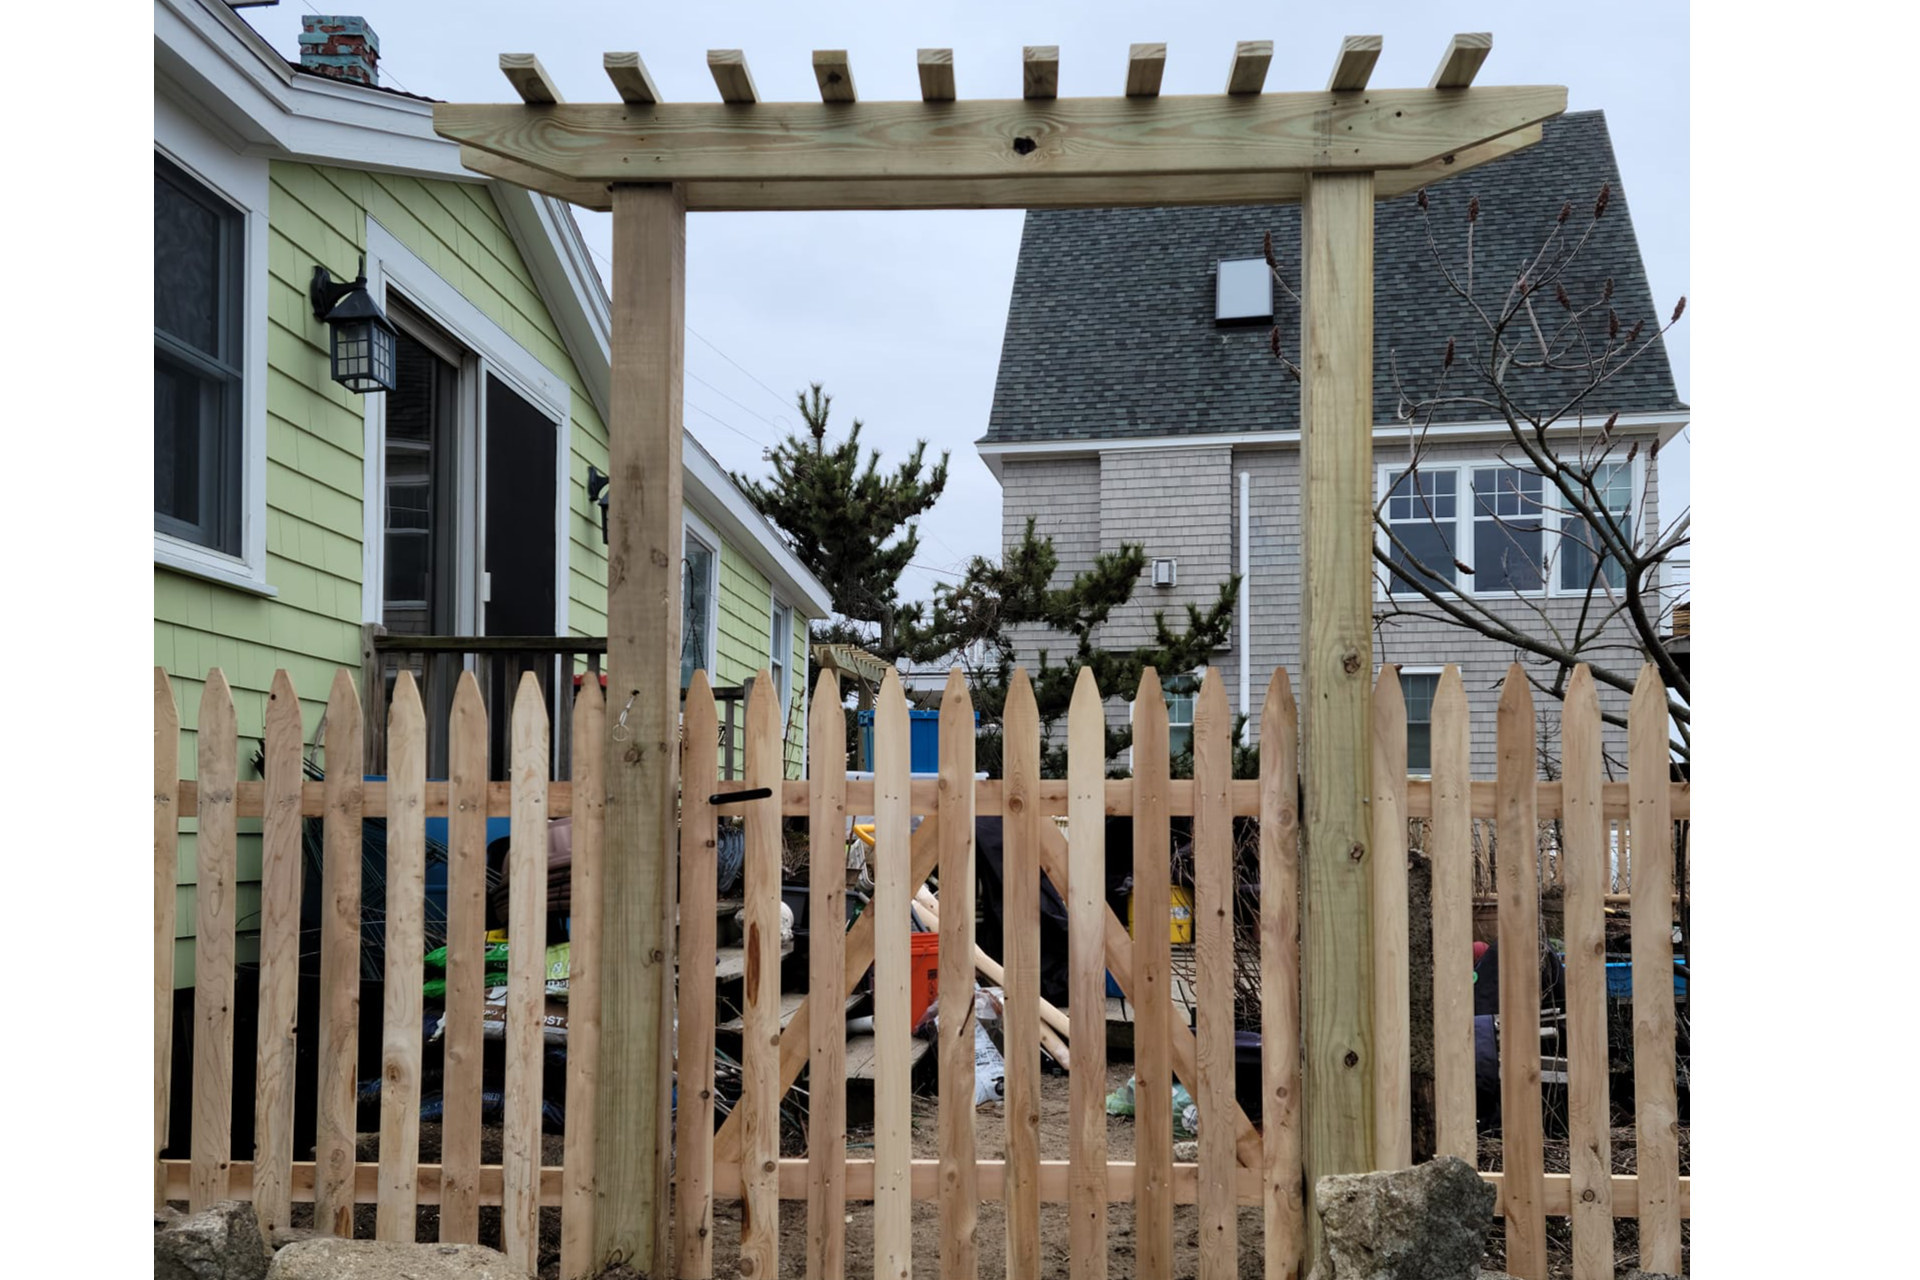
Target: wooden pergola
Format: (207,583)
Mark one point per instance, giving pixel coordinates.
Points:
(1336,150)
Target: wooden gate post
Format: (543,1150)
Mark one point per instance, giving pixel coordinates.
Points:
(649,288)
(1336,414)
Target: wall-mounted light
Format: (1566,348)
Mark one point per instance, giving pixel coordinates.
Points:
(598,482)
(363,341)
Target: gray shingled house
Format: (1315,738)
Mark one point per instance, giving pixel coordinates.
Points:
(1138,400)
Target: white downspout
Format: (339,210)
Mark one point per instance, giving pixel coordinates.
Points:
(1246,607)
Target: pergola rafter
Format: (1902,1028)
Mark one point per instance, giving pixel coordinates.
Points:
(1336,150)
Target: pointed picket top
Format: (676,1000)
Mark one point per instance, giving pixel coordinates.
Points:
(529,703)
(1515,691)
(1451,691)
(761,705)
(700,713)
(1086,691)
(215,696)
(1213,698)
(1649,694)
(1020,695)
(1148,698)
(343,727)
(1389,699)
(824,715)
(1582,698)
(406,697)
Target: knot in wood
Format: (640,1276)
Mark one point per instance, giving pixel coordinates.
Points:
(1352,1059)
(1350,662)
(1587,1196)
(1016,804)
(768,1167)
(659,558)
(1358,851)
(656,955)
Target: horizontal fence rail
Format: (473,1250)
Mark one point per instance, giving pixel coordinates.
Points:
(1239,1162)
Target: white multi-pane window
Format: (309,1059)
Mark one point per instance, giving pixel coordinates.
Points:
(780,652)
(697,590)
(1418,688)
(1486,527)
(1180,717)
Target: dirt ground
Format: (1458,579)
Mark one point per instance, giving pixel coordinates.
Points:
(990,1134)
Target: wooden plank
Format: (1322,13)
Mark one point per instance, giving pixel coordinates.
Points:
(1450,851)
(1085,894)
(835,75)
(826,963)
(1050,797)
(1517,876)
(1282,1190)
(892,1003)
(584,952)
(1040,72)
(731,77)
(166,855)
(334,1130)
(630,78)
(1153,982)
(1392,999)
(1461,62)
(936,74)
(1354,67)
(699,889)
(402,1004)
(959,1199)
(643,757)
(1021,914)
(529,79)
(281,872)
(1146,64)
(216,870)
(526,977)
(793,1038)
(1189,136)
(1336,411)
(1213,897)
(924,1176)
(1655,1107)
(1251,58)
(1584,864)
(762,1085)
(467,772)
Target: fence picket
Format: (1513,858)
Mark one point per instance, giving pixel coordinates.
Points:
(213,946)
(166,861)
(1020,738)
(467,771)
(526,977)
(1656,1108)
(1153,981)
(1213,900)
(588,842)
(1085,893)
(826,960)
(280,876)
(892,1005)
(1392,1013)
(1584,868)
(959,1180)
(405,944)
(699,892)
(760,1016)
(1450,853)
(1517,872)
(334,1123)
(1283,1181)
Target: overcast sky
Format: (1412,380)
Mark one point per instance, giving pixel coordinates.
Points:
(900,315)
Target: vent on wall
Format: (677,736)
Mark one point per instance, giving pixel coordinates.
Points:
(1163,572)
(1243,292)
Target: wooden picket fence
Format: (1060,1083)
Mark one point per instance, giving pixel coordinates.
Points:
(1239,1162)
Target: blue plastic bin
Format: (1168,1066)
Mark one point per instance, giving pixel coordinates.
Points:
(923,731)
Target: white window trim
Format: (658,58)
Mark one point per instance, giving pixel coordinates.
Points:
(776,604)
(1416,669)
(1464,517)
(692,526)
(389,262)
(242,182)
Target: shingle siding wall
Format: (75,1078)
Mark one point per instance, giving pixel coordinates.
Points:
(1062,496)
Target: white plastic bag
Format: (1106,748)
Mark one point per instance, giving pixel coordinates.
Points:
(989,1069)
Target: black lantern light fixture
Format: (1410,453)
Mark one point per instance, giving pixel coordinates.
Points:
(598,482)
(363,339)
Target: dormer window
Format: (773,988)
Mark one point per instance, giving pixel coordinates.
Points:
(1243,292)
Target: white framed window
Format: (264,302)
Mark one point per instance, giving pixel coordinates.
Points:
(780,653)
(210,355)
(699,598)
(1180,694)
(1243,291)
(1418,685)
(1487,527)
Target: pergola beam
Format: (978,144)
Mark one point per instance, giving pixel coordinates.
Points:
(630,79)
(1461,62)
(529,79)
(1354,67)
(936,75)
(1248,74)
(835,75)
(1146,64)
(1123,191)
(731,77)
(1040,72)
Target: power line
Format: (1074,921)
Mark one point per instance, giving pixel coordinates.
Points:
(730,400)
(723,422)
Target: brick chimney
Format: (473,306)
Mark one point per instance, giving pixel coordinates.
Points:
(341,47)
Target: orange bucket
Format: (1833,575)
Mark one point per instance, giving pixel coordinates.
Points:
(923,963)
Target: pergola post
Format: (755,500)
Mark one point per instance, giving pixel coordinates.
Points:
(633,1126)
(1336,414)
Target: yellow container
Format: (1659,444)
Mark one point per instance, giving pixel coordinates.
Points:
(1179,915)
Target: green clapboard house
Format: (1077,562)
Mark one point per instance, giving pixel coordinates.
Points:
(296,521)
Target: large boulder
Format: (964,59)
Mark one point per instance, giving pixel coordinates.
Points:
(1425,1223)
(326,1259)
(222,1242)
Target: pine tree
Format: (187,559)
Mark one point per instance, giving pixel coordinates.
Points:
(839,517)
